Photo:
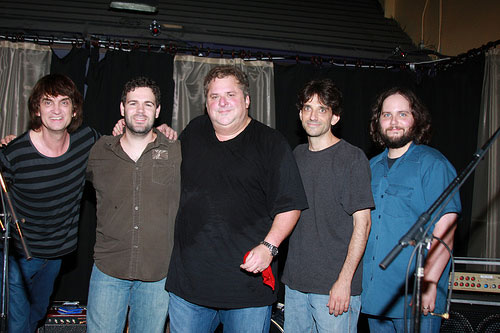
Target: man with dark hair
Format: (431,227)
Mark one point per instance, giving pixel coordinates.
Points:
(323,271)
(406,179)
(137,181)
(241,197)
(45,171)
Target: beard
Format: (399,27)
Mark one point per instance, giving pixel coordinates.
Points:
(396,142)
(138,130)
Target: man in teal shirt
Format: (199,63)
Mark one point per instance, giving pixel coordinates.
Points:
(407,177)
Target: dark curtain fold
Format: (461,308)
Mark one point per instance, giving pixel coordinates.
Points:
(73,65)
(72,282)
(453,97)
(105,82)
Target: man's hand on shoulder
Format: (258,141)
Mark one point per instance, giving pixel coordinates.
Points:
(7,139)
(167,131)
(340,296)
(119,126)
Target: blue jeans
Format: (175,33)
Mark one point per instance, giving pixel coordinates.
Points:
(307,312)
(30,285)
(428,324)
(109,299)
(186,317)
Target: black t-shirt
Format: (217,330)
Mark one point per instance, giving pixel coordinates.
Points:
(230,193)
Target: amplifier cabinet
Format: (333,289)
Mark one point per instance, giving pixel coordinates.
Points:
(472,318)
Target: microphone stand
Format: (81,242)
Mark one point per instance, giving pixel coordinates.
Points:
(417,235)
(4,194)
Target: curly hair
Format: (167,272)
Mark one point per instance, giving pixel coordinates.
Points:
(55,85)
(421,129)
(221,72)
(141,82)
(327,92)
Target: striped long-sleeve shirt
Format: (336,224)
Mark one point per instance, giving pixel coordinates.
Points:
(46,191)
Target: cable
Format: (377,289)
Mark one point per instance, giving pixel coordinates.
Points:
(446,314)
(422,44)
(440,25)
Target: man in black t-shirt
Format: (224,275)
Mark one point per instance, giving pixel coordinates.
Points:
(241,196)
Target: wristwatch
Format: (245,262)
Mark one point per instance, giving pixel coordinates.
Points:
(273,249)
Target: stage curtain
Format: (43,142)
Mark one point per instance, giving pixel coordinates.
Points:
(485,224)
(189,99)
(21,65)
(453,96)
(107,77)
(73,64)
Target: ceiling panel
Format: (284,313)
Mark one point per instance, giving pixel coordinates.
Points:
(346,28)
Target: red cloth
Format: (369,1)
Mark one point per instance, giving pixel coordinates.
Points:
(267,274)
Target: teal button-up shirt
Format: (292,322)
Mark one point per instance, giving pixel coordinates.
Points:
(402,193)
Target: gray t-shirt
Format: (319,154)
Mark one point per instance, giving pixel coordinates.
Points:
(337,184)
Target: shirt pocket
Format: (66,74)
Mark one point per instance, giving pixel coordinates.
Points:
(163,172)
(398,202)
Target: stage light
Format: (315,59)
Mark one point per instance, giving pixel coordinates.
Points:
(149,6)
(399,53)
(155,28)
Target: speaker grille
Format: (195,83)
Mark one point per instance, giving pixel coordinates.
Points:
(472,318)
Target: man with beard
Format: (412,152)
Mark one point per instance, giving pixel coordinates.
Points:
(131,174)
(406,179)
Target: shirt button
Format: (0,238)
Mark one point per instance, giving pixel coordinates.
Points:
(136,227)
(379,216)
(136,208)
(373,258)
(137,188)
(376,237)
(382,196)
(136,246)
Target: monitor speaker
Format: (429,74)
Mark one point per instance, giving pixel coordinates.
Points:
(472,318)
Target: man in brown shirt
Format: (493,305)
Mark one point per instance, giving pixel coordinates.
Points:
(137,181)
